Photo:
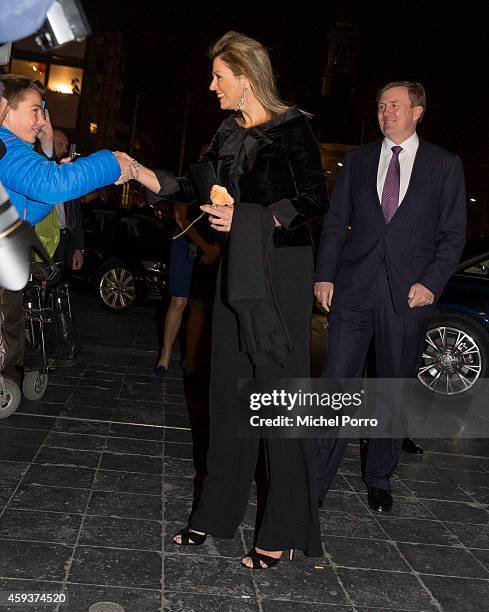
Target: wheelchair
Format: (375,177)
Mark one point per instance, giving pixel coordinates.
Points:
(50,337)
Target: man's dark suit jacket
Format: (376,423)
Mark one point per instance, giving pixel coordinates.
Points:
(421,244)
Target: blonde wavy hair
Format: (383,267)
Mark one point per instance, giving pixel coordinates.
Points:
(248,57)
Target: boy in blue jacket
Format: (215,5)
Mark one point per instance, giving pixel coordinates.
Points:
(34,185)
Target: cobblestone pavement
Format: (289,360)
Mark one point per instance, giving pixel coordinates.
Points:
(96,477)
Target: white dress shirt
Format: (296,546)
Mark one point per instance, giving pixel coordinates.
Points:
(406,161)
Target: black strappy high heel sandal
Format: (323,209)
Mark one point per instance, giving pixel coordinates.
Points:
(257,558)
(190,538)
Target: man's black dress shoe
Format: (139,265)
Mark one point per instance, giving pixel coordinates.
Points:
(379,500)
(410,446)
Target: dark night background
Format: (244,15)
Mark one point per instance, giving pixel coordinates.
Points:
(166,45)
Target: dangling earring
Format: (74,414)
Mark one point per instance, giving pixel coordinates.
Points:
(242,101)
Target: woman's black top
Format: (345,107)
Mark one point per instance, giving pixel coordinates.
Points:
(276,164)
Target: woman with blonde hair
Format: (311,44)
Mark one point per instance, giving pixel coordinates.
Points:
(266,157)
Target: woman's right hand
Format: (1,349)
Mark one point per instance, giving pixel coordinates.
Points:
(220,217)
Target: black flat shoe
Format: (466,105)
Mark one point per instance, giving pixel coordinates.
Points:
(258,558)
(379,500)
(190,538)
(411,447)
(160,372)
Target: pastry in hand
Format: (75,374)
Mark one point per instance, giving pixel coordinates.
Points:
(220,196)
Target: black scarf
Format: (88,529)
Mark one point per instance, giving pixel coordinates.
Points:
(249,287)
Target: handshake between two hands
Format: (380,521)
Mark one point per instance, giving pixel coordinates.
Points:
(129,167)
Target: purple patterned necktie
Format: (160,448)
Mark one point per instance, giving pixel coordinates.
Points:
(390,193)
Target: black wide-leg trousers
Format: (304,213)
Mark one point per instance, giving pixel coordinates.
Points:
(398,347)
(290,517)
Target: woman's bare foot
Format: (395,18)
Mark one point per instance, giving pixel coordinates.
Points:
(178,538)
(274,554)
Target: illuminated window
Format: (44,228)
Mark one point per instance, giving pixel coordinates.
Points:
(31,70)
(65,79)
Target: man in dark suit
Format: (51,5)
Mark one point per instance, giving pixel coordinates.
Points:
(393,236)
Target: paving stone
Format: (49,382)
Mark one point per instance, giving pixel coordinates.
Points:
(188,602)
(121,533)
(37,560)
(300,582)
(364,553)
(178,450)
(123,462)
(342,501)
(294,606)
(469,512)
(137,432)
(60,475)
(442,560)
(68,457)
(115,567)
(30,586)
(417,531)
(135,447)
(127,482)
(207,575)
(41,526)
(56,499)
(350,525)
(473,536)
(75,441)
(82,427)
(128,505)
(179,467)
(457,594)
(82,596)
(380,589)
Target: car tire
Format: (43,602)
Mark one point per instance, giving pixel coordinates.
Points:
(115,286)
(455,356)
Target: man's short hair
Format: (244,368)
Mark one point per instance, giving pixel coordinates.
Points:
(416,92)
(15,87)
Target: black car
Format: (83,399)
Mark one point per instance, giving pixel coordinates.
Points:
(127,254)
(456,354)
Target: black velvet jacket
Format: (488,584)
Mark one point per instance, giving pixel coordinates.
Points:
(276,164)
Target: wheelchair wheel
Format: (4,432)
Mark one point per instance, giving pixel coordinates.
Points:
(34,385)
(10,399)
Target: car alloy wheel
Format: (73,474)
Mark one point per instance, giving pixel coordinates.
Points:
(454,358)
(116,288)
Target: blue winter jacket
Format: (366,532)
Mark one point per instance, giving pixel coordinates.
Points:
(36,184)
